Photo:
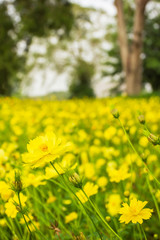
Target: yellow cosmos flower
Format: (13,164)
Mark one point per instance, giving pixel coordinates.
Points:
(5,191)
(70,217)
(10,206)
(90,189)
(135,212)
(114,204)
(117,175)
(11,210)
(44,149)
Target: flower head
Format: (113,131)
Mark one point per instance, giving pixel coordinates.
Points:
(44,149)
(135,212)
(117,175)
(89,189)
(114,204)
(70,217)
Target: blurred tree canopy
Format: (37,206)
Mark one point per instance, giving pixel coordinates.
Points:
(38,18)
(151,63)
(150,52)
(31,18)
(10,62)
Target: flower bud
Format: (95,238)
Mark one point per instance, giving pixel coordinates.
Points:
(108,218)
(126,193)
(153,139)
(17,185)
(144,157)
(141,119)
(76,180)
(115,113)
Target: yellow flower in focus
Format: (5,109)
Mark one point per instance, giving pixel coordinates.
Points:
(113,206)
(70,217)
(90,189)
(44,149)
(134,212)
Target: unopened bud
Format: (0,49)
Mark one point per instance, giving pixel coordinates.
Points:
(153,139)
(144,157)
(127,130)
(115,113)
(18,208)
(76,180)
(141,119)
(17,185)
(82,237)
(108,218)
(126,193)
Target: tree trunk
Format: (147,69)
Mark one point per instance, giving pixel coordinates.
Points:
(122,33)
(132,67)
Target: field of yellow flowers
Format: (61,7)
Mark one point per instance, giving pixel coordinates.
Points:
(80,169)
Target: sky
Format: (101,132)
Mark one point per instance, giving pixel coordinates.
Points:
(105,5)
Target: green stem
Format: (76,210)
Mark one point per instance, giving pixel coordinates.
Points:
(143,232)
(101,217)
(140,232)
(23,214)
(36,228)
(154,199)
(78,200)
(130,143)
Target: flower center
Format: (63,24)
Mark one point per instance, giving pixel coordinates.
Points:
(44,147)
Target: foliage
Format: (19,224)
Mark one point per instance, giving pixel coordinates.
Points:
(10,61)
(151,46)
(31,18)
(152,50)
(38,18)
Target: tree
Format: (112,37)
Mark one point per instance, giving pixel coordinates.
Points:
(10,61)
(35,19)
(81,80)
(131,52)
(150,51)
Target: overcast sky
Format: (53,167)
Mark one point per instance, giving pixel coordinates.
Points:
(106,5)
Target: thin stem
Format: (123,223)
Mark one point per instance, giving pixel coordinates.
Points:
(138,226)
(143,232)
(23,214)
(78,200)
(36,227)
(130,143)
(154,199)
(101,217)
